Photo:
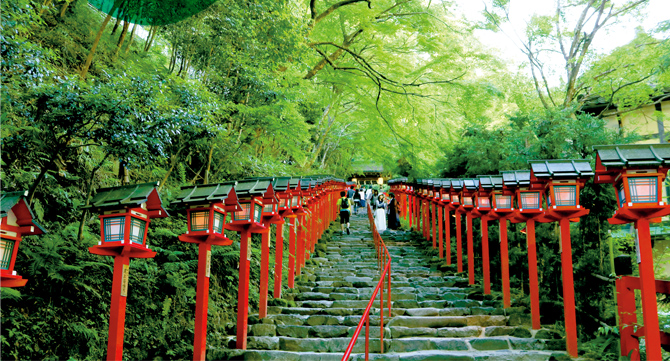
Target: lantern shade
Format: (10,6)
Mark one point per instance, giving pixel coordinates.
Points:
(562,179)
(124,219)
(206,209)
(250,193)
(18,220)
(502,201)
(530,200)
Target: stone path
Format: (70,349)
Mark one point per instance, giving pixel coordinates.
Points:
(434,316)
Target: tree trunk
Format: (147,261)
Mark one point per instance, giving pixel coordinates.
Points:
(122,37)
(130,41)
(209,163)
(150,38)
(116,25)
(173,162)
(659,123)
(89,185)
(63,9)
(89,58)
(38,180)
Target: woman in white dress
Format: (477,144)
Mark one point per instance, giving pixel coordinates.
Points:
(380,214)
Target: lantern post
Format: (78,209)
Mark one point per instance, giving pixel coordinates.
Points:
(427,197)
(435,202)
(562,181)
(482,209)
(285,195)
(439,215)
(637,173)
(206,209)
(124,221)
(419,207)
(455,205)
(445,201)
(298,212)
(269,215)
(307,189)
(470,187)
(529,198)
(410,204)
(246,221)
(503,209)
(18,221)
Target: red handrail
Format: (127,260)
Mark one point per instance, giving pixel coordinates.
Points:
(384,263)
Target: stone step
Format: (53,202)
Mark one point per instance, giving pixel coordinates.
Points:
(396,311)
(337,341)
(430,355)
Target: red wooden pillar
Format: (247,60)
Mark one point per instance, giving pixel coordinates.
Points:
(243,290)
(485,255)
(433,224)
(504,263)
(648,290)
(291,252)
(459,244)
(532,275)
(117,311)
(202,301)
(447,236)
(279,257)
(410,213)
(569,291)
(471,249)
(440,219)
(265,270)
(300,246)
(627,317)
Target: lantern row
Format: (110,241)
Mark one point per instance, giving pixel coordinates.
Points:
(246,206)
(546,192)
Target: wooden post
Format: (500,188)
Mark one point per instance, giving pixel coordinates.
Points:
(569,293)
(291,252)
(265,270)
(202,301)
(504,263)
(471,249)
(485,255)
(440,219)
(447,236)
(648,290)
(279,257)
(117,310)
(432,224)
(532,275)
(459,245)
(243,290)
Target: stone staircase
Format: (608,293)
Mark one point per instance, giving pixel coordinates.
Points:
(434,316)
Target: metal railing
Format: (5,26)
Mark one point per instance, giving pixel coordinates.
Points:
(384,263)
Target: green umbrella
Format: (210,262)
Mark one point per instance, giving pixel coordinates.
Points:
(151,12)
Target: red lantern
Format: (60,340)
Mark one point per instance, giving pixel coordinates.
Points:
(455,205)
(482,209)
(530,208)
(206,209)
(17,221)
(250,193)
(637,173)
(563,179)
(126,212)
(470,188)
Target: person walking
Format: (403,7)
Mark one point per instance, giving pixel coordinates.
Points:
(393,216)
(344,205)
(380,214)
(357,201)
(362,198)
(368,197)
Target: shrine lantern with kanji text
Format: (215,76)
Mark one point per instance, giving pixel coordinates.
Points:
(206,206)
(125,213)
